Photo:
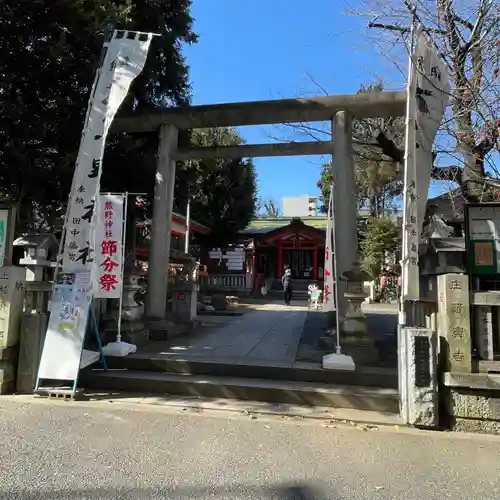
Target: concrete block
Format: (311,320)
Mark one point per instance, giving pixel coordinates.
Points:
(7,387)
(474,404)
(33,329)
(476,426)
(454,322)
(184,304)
(7,376)
(418,377)
(9,353)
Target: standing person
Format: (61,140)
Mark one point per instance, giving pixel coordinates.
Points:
(286,281)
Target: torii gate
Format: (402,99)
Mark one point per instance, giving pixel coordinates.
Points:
(339,109)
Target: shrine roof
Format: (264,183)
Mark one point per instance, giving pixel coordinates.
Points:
(264,225)
(449,206)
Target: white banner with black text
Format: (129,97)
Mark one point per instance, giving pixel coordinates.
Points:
(427,97)
(123,59)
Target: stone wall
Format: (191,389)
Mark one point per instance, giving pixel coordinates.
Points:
(473,410)
(12,292)
(469,396)
(8,369)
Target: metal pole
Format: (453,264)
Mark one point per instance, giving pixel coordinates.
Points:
(332,245)
(188,226)
(124,234)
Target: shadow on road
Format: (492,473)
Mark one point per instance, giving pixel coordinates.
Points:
(285,491)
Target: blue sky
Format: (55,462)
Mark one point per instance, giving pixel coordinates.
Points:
(269,49)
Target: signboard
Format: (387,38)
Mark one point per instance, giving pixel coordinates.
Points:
(427,97)
(7,226)
(4,222)
(234,258)
(482,234)
(110,246)
(123,59)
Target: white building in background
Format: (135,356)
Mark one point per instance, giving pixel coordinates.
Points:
(300,206)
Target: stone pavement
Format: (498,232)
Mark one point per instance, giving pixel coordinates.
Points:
(269,333)
(100,451)
(381,322)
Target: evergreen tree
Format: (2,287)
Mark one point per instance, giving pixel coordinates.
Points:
(49,51)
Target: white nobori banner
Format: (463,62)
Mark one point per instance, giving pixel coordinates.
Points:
(427,97)
(124,59)
(432,94)
(124,56)
(109,255)
(329,284)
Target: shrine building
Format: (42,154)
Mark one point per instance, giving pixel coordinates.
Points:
(274,243)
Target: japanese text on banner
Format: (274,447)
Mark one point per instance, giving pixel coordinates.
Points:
(123,61)
(329,282)
(109,247)
(427,98)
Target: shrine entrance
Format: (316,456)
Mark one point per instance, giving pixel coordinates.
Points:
(339,110)
(272,340)
(300,262)
(296,245)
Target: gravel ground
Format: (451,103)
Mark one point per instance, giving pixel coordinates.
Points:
(100,451)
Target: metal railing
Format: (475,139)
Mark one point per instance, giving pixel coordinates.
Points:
(225,282)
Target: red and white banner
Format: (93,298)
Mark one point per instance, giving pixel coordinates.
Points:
(109,246)
(329,281)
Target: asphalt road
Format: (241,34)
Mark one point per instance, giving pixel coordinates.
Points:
(106,451)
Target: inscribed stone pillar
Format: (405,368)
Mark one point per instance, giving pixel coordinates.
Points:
(418,377)
(159,249)
(483,323)
(454,321)
(345,210)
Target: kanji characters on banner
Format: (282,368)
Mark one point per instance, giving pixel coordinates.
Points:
(427,97)
(109,246)
(122,60)
(329,279)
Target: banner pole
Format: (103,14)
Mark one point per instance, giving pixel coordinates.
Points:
(124,234)
(337,315)
(122,60)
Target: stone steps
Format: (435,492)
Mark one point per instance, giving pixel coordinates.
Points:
(247,389)
(299,372)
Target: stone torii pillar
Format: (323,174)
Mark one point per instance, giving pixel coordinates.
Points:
(350,278)
(161,228)
(345,211)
